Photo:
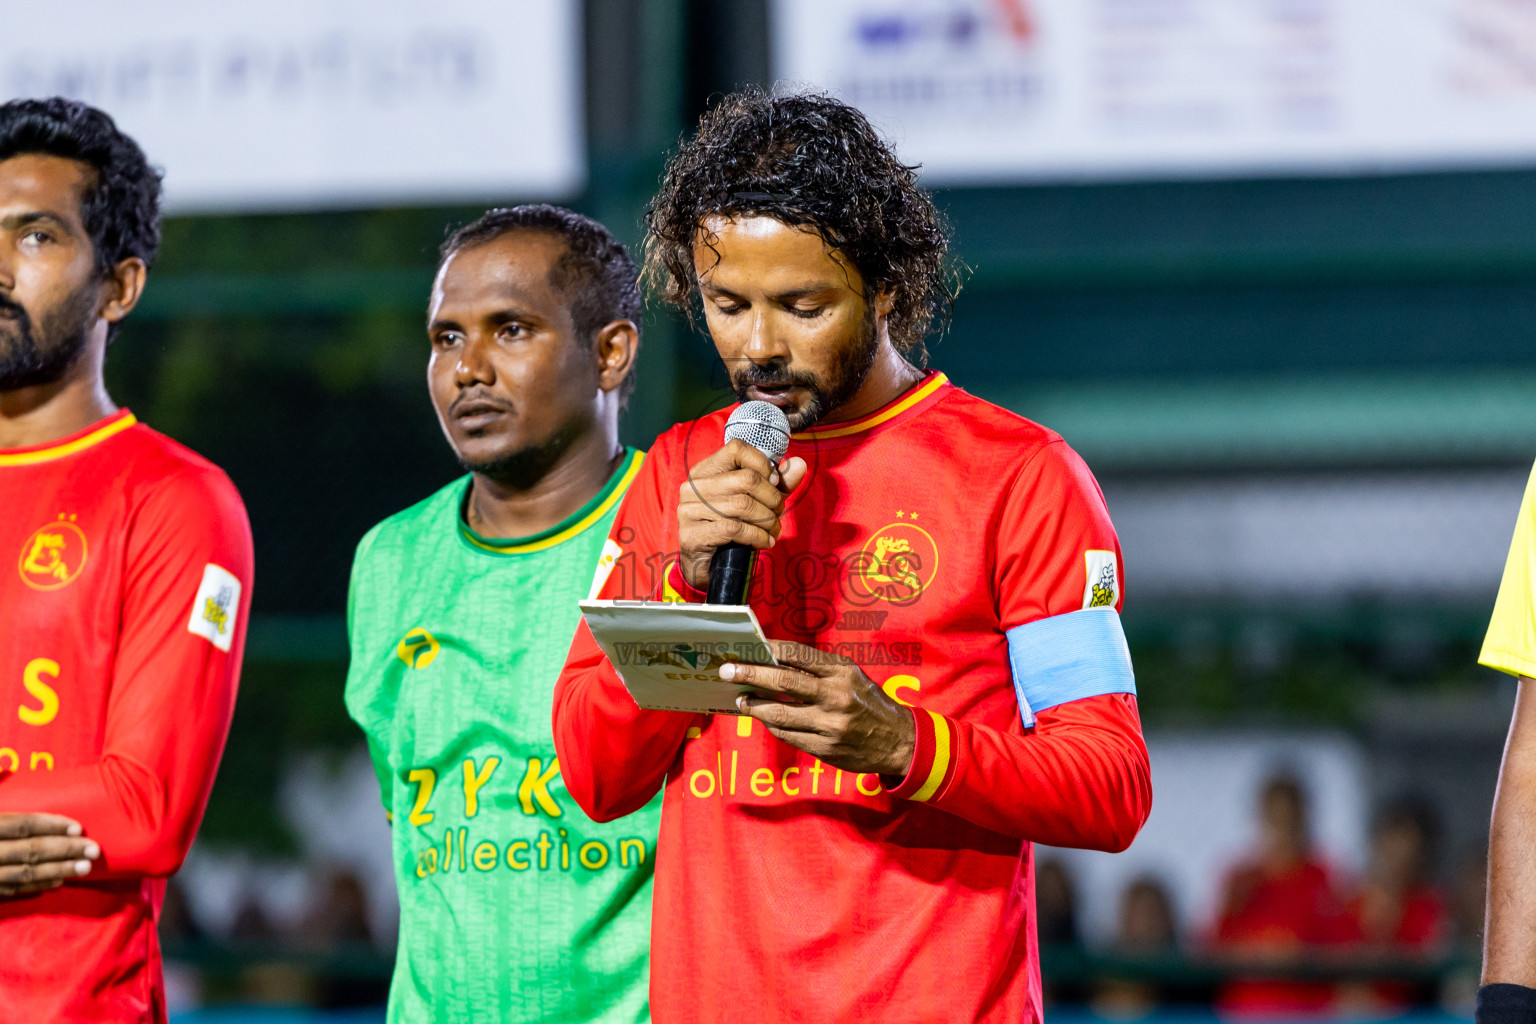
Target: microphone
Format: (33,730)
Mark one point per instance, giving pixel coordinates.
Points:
(764,426)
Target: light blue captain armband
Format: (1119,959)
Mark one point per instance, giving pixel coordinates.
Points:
(1068,657)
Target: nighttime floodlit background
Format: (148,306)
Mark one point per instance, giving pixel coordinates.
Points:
(1269,265)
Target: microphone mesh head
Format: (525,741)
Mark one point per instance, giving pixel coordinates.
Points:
(762,425)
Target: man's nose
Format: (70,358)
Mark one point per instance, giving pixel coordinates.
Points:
(474,364)
(764,343)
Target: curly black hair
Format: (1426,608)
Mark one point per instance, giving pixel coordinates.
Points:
(806,159)
(121,207)
(595,273)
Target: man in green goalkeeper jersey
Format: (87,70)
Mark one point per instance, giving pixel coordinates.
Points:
(514,906)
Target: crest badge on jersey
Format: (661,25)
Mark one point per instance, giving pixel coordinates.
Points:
(418,648)
(53,556)
(897,564)
(1103,587)
(216,607)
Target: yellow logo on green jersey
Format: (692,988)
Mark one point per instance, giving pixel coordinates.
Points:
(417,648)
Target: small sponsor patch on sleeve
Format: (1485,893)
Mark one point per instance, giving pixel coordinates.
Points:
(605,561)
(1103,587)
(216,607)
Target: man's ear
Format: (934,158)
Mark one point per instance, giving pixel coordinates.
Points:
(618,345)
(885,301)
(122,288)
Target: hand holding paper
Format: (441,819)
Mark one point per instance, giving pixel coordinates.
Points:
(669,655)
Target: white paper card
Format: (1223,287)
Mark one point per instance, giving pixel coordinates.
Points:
(669,655)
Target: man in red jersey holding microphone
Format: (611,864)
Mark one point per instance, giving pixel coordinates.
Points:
(942,584)
(125,575)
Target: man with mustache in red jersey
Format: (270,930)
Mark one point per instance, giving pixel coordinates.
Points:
(942,585)
(125,577)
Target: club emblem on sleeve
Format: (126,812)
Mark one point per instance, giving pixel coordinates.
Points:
(216,611)
(53,556)
(1103,581)
(897,564)
(216,607)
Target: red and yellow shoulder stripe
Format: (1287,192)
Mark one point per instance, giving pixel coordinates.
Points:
(78,442)
(907,401)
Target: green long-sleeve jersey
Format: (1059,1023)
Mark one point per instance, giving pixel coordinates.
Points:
(514,905)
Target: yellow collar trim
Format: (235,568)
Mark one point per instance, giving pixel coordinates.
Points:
(566,534)
(874,419)
(58,451)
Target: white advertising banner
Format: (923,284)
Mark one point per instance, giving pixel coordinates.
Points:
(991,90)
(299,104)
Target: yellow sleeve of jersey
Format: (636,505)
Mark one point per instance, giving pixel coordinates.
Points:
(1511,642)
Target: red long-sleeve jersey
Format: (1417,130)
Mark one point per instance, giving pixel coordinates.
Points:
(941,543)
(124,585)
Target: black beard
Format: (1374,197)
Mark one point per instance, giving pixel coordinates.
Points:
(28,359)
(845,380)
(521,469)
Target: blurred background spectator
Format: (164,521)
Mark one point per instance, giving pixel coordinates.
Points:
(1055,903)
(1398,911)
(339,918)
(1056,918)
(1279,906)
(1148,932)
(1147,923)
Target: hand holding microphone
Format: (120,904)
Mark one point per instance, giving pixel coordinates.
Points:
(731,504)
(823,704)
